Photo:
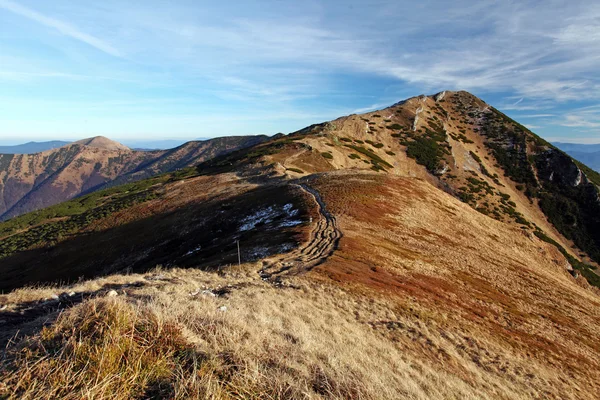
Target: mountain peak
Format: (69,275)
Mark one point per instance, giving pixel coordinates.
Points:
(102,143)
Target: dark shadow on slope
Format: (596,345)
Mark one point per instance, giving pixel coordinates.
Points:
(266,221)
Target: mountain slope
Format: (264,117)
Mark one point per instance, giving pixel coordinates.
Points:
(422,295)
(460,144)
(31,182)
(409,252)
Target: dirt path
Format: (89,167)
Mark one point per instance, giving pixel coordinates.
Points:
(324,240)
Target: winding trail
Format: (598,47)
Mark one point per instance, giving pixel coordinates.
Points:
(324,240)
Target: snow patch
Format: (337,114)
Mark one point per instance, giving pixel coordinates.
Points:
(579,177)
(197,249)
(269,214)
(289,210)
(261,216)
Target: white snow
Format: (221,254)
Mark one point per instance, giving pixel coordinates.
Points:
(289,210)
(266,215)
(197,249)
(290,223)
(578,179)
(261,216)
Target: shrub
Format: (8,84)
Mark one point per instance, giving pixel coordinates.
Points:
(374,157)
(327,156)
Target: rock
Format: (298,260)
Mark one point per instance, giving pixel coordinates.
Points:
(112,293)
(54,297)
(222,308)
(208,293)
(71,294)
(4,307)
(568,266)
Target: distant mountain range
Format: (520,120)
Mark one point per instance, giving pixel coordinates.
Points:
(32,147)
(29,182)
(589,154)
(38,147)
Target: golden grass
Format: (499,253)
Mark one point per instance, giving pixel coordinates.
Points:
(303,342)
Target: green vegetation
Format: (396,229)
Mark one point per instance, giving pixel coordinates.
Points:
(327,156)
(297,170)
(375,159)
(354,156)
(461,137)
(475,156)
(586,270)
(396,127)
(428,149)
(376,145)
(55,223)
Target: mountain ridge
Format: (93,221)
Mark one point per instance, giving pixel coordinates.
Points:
(33,181)
(422,238)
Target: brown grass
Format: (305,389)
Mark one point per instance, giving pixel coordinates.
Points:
(304,341)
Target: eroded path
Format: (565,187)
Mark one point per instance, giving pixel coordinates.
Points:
(324,240)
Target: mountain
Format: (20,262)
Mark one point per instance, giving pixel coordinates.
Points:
(157,144)
(577,147)
(32,147)
(590,159)
(33,181)
(589,154)
(432,249)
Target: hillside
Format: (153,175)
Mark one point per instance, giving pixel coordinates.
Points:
(32,181)
(412,252)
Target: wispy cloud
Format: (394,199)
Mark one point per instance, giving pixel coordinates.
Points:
(60,26)
(289,59)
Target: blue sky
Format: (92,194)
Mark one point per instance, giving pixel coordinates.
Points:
(187,69)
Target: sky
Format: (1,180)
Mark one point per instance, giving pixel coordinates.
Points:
(147,70)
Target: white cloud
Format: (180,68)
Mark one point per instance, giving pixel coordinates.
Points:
(60,26)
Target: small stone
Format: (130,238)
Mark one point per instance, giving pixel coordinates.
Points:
(112,293)
(208,293)
(71,294)
(222,308)
(54,297)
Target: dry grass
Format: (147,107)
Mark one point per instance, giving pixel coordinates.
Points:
(425,298)
(303,341)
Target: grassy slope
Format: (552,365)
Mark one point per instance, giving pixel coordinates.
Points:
(425,298)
